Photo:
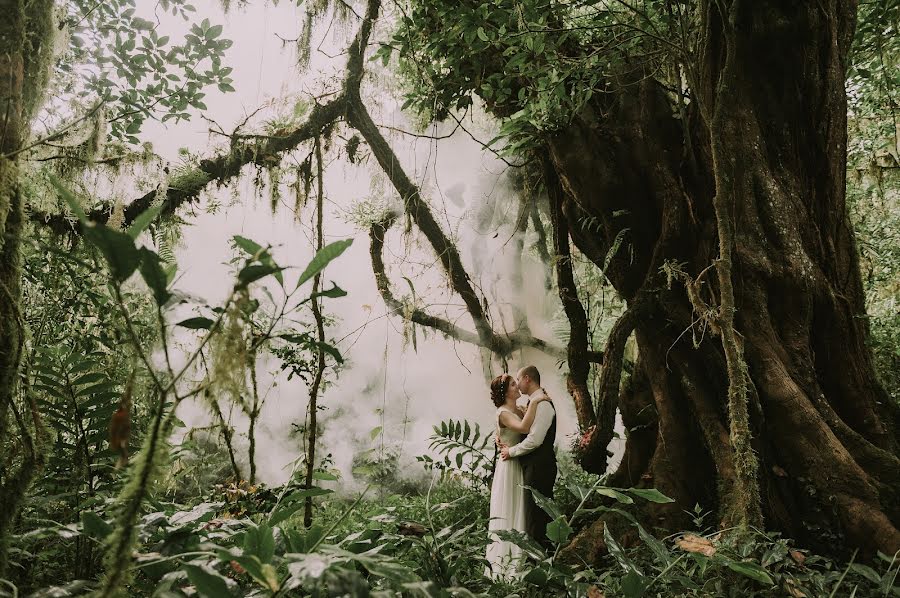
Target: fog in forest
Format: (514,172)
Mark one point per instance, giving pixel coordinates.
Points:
(386,383)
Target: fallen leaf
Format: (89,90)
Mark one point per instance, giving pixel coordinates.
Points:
(692,543)
(798,557)
(792,590)
(237,567)
(595,592)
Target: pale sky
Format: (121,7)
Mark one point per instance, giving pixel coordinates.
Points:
(442,379)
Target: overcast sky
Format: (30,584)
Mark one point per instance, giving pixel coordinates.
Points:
(442,379)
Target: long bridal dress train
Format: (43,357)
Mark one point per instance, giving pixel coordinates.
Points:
(507,509)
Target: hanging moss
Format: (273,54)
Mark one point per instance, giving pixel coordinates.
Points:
(41,25)
(9,173)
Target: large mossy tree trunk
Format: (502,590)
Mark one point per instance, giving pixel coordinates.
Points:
(766,125)
(25,51)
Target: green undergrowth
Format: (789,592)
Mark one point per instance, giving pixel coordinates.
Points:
(239,539)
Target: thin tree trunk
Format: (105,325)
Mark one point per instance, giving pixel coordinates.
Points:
(312,429)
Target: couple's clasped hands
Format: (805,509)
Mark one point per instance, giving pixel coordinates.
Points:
(504,448)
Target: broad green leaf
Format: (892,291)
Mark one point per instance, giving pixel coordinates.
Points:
(558,530)
(283,512)
(622,498)
(547,504)
(208,582)
(254,272)
(260,542)
(250,247)
(264,574)
(94,526)
(866,572)
(751,570)
(144,219)
(324,256)
(69,198)
(390,569)
(154,276)
(198,323)
(331,350)
(333,293)
(651,494)
(618,552)
(633,585)
(308,566)
(118,248)
(658,548)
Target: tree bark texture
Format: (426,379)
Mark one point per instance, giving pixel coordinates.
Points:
(771,140)
(25,45)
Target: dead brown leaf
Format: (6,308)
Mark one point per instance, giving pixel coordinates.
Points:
(780,472)
(595,592)
(692,543)
(798,557)
(792,590)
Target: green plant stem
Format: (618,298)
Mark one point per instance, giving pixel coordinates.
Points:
(841,580)
(339,520)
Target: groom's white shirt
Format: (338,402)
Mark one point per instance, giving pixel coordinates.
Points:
(542,420)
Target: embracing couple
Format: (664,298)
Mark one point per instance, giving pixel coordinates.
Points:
(527,458)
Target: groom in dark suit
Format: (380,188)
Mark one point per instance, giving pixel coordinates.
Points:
(536,454)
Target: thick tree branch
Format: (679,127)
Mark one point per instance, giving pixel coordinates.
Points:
(579,367)
(502,345)
(420,213)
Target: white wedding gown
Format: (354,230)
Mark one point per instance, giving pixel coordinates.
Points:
(507,509)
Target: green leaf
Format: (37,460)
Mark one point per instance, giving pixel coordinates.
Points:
(622,498)
(547,504)
(259,541)
(118,248)
(323,258)
(208,582)
(144,219)
(69,199)
(331,350)
(264,574)
(94,526)
(651,494)
(154,276)
(333,293)
(325,476)
(198,323)
(254,272)
(633,585)
(251,248)
(283,512)
(616,550)
(558,530)
(866,572)
(751,570)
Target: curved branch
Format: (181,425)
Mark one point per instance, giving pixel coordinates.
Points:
(502,345)
(610,378)
(579,366)
(420,213)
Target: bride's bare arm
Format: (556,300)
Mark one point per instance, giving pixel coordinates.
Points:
(523,425)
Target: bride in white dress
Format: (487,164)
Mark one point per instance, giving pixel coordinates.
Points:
(507,494)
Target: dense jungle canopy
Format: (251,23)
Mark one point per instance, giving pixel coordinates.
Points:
(705,192)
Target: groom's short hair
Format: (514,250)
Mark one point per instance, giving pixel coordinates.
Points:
(533,373)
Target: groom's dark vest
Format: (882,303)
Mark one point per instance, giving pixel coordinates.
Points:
(539,472)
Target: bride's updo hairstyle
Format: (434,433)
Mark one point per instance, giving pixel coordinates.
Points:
(499,386)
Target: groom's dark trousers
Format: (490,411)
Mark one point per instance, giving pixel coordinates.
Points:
(539,472)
